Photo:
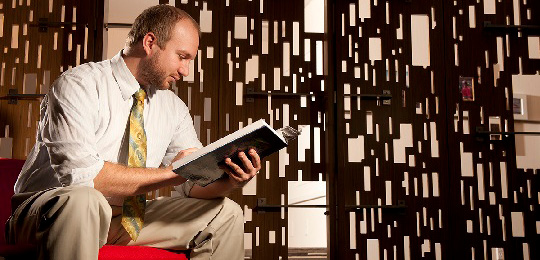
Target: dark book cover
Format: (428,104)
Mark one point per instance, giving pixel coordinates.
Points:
(203,166)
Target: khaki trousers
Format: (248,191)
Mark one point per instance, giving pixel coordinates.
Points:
(74,222)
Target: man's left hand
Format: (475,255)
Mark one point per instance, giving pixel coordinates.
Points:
(240,176)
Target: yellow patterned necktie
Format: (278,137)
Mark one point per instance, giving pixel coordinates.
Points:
(134,206)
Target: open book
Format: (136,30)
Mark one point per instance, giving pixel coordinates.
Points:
(203,166)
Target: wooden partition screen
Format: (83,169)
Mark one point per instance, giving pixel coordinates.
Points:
(39,40)
(493,212)
(392,153)
(427,149)
(257,61)
(382,91)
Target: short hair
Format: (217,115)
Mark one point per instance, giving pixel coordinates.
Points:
(160,20)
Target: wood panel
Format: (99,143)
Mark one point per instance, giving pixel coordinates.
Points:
(31,59)
(465,198)
(396,153)
(260,45)
(490,195)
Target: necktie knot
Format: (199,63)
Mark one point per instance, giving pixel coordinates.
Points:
(140,95)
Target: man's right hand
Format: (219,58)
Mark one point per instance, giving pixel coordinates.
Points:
(182,154)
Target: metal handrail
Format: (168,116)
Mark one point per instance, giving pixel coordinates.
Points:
(117,25)
(12,97)
(513,28)
(507,133)
(262,206)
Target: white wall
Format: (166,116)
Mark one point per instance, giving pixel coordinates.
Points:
(121,11)
(527,146)
(307,226)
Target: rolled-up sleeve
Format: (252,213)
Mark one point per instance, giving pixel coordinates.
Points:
(69,131)
(184,189)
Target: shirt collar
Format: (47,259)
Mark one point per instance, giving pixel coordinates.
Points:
(126,81)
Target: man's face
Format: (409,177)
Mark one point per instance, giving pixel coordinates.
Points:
(164,66)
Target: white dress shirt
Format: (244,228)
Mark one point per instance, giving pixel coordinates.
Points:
(83,123)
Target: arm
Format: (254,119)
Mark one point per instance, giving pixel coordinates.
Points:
(237,177)
(185,136)
(70,136)
(118,180)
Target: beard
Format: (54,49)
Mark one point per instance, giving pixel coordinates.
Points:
(152,74)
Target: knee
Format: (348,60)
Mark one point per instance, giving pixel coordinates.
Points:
(84,199)
(232,208)
(84,210)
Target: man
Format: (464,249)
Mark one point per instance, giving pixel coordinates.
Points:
(105,130)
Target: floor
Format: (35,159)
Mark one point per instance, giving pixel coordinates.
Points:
(300,254)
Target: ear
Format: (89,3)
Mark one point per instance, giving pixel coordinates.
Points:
(149,42)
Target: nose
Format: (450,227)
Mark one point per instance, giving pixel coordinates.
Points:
(184,68)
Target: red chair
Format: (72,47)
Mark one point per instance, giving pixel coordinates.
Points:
(9,170)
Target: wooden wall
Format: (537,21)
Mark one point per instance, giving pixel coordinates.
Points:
(464,198)
(32,58)
(261,45)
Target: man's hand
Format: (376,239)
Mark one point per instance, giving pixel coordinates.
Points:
(240,176)
(182,154)
(119,180)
